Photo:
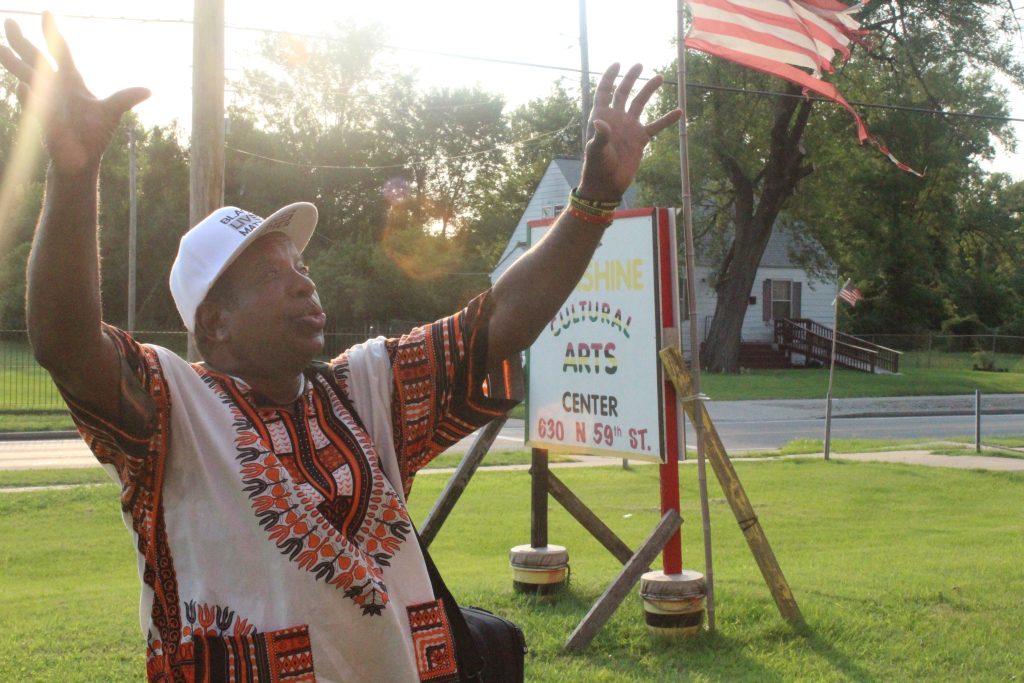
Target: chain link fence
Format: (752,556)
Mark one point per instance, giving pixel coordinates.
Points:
(933,350)
(26,388)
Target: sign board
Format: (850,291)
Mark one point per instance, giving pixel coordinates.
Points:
(595,384)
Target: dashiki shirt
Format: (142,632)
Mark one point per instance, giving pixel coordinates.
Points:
(272,544)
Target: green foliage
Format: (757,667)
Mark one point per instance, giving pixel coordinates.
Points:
(543,129)
(984,360)
(966,326)
(417,191)
(922,250)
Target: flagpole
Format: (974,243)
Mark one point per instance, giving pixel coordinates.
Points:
(691,306)
(831,374)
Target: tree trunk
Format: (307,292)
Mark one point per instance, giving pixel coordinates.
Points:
(754,217)
(722,348)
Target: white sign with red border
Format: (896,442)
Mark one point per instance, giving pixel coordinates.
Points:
(595,384)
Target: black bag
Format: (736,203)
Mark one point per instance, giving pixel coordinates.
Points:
(489,648)
(499,643)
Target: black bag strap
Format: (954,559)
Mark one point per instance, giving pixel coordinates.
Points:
(471,664)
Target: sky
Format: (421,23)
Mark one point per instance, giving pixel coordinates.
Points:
(116,53)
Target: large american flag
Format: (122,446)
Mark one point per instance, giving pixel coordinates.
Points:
(783,38)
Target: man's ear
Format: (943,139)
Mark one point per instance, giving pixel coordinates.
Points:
(211,323)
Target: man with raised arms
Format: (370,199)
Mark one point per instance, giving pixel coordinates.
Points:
(265,490)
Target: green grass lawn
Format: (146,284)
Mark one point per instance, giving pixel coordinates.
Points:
(53,477)
(23,384)
(36,422)
(954,446)
(495,458)
(813,383)
(902,573)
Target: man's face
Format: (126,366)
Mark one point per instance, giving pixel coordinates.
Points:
(274,322)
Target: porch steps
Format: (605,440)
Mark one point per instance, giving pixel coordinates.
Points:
(761,356)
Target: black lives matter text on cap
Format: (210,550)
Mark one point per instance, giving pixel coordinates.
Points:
(242,221)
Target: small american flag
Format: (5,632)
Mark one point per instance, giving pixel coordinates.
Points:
(850,294)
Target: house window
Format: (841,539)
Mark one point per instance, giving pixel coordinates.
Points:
(782,299)
(552,211)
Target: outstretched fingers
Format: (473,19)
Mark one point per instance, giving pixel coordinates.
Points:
(33,61)
(123,100)
(636,107)
(606,87)
(11,62)
(663,122)
(59,49)
(626,86)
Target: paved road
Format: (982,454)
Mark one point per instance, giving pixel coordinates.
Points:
(753,434)
(752,425)
(72,452)
(743,425)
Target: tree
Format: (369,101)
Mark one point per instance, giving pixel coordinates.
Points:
(750,154)
(20,200)
(461,135)
(539,131)
(397,175)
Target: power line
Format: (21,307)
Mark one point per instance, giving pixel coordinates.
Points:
(406,164)
(569,70)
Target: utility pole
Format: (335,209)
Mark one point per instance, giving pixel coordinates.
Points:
(206,168)
(588,102)
(132,230)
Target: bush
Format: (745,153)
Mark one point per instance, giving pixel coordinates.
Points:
(962,328)
(983,360)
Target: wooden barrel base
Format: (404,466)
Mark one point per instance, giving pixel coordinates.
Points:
(673,603)
(541,571)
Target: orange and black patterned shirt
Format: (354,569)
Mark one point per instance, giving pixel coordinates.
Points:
(274,543)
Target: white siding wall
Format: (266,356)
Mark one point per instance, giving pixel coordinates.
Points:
(815,303)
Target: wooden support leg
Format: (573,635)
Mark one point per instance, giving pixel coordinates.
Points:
(591,522)
(458,482)
(749,524)
(733,489)
(627,578)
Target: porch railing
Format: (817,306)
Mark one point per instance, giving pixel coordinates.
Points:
(814,341)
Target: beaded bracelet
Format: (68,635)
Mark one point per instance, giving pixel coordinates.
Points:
(591,210)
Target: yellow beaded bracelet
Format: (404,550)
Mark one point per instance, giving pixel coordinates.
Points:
(591,210)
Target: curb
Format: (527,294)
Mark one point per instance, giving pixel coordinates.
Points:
(929,413)
(39,436)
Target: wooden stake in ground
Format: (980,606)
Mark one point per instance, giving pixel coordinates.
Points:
(733,489)
(460,480)
(691,306)
(627,578)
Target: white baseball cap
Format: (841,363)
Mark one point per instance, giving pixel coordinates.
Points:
(215,242)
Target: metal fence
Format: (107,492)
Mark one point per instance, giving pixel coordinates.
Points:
(933,350)
(26,388)
(944,343)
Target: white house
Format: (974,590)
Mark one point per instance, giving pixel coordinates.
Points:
(782,289)
(548,200)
